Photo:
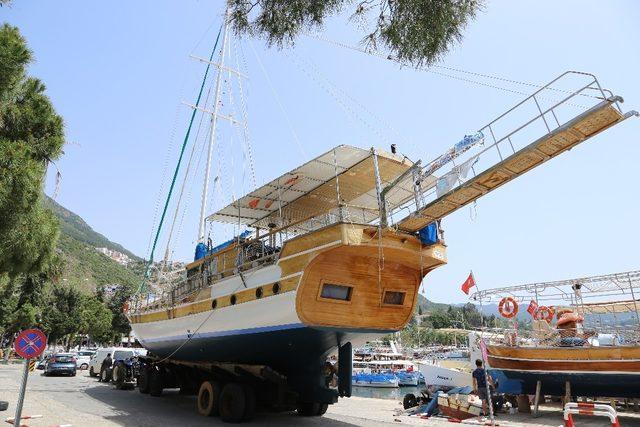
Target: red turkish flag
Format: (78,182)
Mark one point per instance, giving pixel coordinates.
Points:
(468,284)
(533,307)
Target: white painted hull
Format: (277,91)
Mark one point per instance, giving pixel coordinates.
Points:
(441,376)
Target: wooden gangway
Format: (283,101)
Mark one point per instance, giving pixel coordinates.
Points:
(557,136)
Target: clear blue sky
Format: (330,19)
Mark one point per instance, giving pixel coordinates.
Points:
(117,73)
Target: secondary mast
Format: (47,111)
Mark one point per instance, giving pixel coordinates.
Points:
(214,120)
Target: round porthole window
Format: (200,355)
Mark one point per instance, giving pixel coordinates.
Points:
(214,303)
(232,300)
(276,288)
(259,292)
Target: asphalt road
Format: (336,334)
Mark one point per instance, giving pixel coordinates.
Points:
(83,401)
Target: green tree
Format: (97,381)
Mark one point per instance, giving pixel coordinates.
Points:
(62,312)
(415,31)
(31,136)
(120,324)
(95,320)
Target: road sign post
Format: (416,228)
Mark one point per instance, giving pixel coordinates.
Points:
(30,343)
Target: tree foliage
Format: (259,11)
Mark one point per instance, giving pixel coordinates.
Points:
(31,136)
(416,32)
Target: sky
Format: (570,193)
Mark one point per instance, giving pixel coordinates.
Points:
(119,72)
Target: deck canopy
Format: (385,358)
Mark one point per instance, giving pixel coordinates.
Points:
(313,189)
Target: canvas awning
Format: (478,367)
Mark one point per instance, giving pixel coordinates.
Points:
(311,190)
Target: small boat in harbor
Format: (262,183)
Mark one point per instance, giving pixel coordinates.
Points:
(437,375)
(582,343)
(408,378)
(375,380)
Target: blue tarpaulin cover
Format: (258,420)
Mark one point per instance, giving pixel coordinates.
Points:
(201,248)
(429,234)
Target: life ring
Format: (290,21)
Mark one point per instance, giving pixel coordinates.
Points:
(544,313)
(508,307)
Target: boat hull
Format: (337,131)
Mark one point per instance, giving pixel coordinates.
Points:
(289,349)
(591,371)
(582,384)
(445,377)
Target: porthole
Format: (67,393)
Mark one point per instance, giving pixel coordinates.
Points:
(276,288)
(259,292)
(214,303)
(232,300)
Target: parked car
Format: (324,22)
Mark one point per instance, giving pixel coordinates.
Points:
(61,363)
(43,362)
(117,353)
(83,358)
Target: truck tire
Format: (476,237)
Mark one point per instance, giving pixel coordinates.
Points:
(233,403)
(105,375)
(92,373)
(143,380)
(155,382)
(208,397)
(312,409)
(118,378)
(250,406)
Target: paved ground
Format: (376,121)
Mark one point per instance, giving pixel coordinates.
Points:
(82,401)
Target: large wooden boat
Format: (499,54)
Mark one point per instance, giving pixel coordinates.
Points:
(336,249)
(600,358)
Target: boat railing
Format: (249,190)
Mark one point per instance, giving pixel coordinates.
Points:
(508,139)
(563,337)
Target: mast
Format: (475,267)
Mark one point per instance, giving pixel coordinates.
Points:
(214,120)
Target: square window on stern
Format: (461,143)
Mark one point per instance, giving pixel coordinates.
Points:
(337,292)
(393,298)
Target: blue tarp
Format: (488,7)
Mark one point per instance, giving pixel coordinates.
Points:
(201,248)
(429,234)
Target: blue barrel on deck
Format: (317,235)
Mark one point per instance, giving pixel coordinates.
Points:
(201,251)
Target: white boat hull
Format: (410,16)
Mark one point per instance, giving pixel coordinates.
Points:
(440,376)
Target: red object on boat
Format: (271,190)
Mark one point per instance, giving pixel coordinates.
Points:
(570,317)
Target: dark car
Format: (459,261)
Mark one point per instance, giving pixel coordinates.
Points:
(61,363)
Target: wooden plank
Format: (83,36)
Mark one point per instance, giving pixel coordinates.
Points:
(566,353)
(567,365)
(357,266)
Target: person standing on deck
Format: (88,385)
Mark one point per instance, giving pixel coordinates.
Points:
(480,384)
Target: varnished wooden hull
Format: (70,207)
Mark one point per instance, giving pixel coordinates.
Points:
(243,319)
(591,371)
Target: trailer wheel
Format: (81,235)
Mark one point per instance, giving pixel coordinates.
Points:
(409,401)
(208,397)
(118,377)
(250,405)
(155,382)
(312,409)
(233,403)
(143,380)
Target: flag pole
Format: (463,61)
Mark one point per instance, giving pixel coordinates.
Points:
(485,358)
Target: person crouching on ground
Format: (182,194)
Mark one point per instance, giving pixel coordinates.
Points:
(480,385)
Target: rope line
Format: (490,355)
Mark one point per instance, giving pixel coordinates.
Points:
(177,169)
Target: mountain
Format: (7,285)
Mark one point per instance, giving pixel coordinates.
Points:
(427,306)
(76,228)
(85,267)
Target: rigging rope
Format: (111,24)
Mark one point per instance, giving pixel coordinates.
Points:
(430,70)
(175,173)
(282,109)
